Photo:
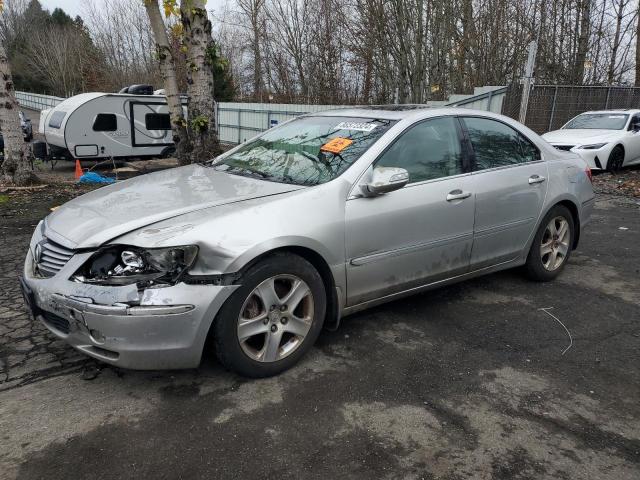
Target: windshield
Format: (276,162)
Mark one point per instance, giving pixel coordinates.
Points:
(305,151)
(601,121)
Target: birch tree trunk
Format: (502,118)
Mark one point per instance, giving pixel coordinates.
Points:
(16,167)
(201,56)
(168,74)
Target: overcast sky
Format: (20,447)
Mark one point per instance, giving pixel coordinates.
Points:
(76,7)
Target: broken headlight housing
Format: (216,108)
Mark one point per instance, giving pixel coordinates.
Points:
(124,265)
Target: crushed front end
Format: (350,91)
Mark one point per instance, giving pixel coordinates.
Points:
(143,323)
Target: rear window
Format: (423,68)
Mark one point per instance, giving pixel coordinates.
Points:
(56,119)
(157,121)
(496,144)
(105,122)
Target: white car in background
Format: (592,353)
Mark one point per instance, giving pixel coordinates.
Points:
(606,139)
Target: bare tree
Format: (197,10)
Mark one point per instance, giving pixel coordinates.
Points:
(290,36)
(62,56)
(583,20)
(168,73)
(353,51)
(201,55)
(122,34)
(254,12)
(637,80)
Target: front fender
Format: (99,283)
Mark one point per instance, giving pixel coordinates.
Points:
(277,243)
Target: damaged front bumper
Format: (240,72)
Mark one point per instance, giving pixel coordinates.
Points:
(154,328)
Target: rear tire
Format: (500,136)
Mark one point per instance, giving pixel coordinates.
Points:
(616,159)
(270,322)
(552,244)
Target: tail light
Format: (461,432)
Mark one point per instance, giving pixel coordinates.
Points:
(587,170)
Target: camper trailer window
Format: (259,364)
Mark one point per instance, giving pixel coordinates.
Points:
(157,121)
(56,119)
(105,122)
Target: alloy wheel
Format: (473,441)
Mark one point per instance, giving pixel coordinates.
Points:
(555,243)
(275,318)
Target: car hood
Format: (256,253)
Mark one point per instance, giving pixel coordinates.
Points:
(581,136)
(108,212)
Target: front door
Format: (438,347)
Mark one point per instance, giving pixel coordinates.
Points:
(421,233)
(632,152)
(150,124)
(510,184)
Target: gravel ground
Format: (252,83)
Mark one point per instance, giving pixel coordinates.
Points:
(468,381)
(625,183)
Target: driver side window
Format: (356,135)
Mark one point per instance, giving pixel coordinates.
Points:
(635,120)
(428,150)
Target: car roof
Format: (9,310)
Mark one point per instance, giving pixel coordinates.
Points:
(398,112)
(623,111)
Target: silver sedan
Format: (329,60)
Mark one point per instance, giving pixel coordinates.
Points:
(318,218)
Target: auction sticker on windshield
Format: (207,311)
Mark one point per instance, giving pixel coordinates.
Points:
(336,145)
(361,127)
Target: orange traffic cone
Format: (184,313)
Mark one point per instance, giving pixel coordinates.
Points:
(78,169)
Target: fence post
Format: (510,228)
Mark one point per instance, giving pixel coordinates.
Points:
(216,117)
(527,82)
(239,127)
(606,102)
(553,107)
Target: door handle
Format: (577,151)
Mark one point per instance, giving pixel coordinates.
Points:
(457,195)
(536,179)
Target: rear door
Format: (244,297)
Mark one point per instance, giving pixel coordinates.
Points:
(510,183)
(421,233)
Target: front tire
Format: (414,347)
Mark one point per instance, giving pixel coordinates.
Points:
(616,159)
(275,316)
(551,247)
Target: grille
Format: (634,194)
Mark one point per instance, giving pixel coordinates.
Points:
(566,148)
(55,321)
(52,257)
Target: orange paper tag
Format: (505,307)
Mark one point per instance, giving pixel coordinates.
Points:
(336,145)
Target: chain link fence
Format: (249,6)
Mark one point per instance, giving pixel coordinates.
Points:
(551,106)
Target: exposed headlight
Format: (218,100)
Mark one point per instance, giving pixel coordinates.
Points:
(594,146)
(124,265)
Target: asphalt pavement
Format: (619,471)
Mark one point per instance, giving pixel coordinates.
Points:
(477,380)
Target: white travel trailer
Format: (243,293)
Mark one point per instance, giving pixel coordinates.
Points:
(105,125)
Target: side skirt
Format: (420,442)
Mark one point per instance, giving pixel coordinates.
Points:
(430,286)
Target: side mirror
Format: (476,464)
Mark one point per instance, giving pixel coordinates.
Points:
(635,127)
(386,179)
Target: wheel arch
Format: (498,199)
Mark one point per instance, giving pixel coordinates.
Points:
(573,208)
(624,152)
(319,262)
